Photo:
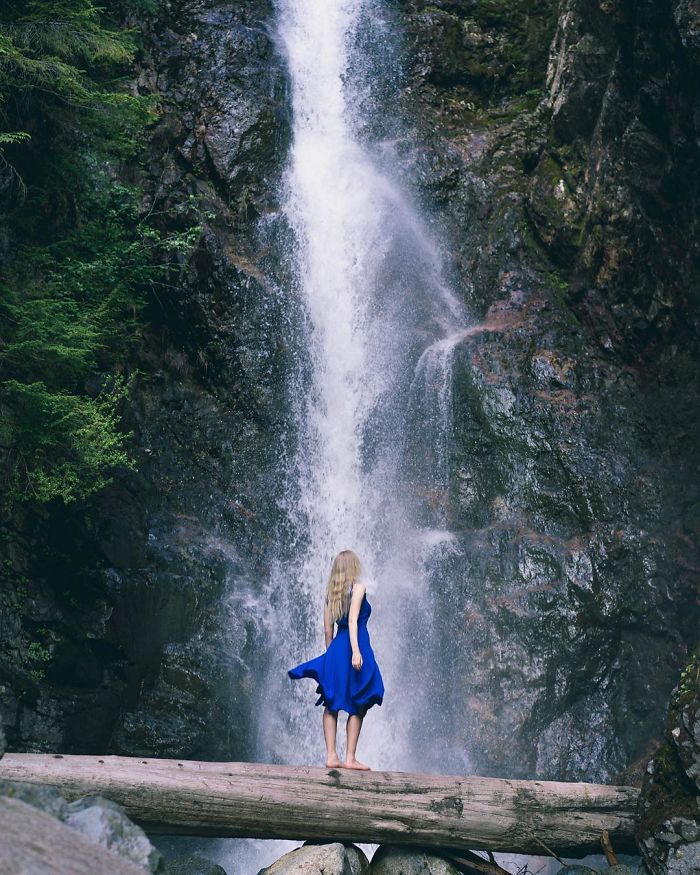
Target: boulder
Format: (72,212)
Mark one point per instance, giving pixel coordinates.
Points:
(669,804)
(192,864)
(391,860)
(359,863)
(104,822)
(54,848)
(39,796)
(357,857)
(332,859)
(100,822)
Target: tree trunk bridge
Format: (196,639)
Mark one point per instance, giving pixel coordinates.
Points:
(301,802)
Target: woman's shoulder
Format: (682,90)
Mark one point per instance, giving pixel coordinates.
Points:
(358,587)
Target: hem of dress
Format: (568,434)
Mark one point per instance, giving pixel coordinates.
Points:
(365,705)
(361,706)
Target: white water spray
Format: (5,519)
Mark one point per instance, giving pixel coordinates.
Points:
(381,327)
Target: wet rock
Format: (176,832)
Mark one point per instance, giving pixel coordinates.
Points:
(577,870)
(193,865)
(33,841)
(389,860)
(565,401)
(131,634)
(479,50)
(104,822)
(330,859)
(101,823)
(669,806)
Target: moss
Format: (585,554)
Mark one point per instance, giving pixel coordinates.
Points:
(670,792)
(525,29)
(688,689)
(502,49)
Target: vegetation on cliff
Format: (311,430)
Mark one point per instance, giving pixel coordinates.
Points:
(79,254)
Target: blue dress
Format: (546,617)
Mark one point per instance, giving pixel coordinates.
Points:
(342,687)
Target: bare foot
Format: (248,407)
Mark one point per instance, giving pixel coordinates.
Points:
(356,764)
(333,763)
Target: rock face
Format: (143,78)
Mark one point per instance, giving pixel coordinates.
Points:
(70,837)
(564,189)
(124,627)
(567,212)
(669,805)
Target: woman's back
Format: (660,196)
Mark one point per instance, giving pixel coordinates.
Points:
(365,608)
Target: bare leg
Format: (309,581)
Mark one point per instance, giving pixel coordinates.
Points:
(330,727)
(354,726)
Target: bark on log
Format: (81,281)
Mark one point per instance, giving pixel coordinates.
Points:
(302,802)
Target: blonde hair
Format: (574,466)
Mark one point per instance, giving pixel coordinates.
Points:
(346,569)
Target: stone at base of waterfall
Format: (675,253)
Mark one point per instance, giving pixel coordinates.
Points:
(576,869)
(391,860)
(100,821)
(33,842)
(105,822)
(191,864)
(311,859)
(673,849)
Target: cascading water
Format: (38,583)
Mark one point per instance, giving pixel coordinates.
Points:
(372,403)
(373,411)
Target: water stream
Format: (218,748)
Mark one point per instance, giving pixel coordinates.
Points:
(372,398)
(373,410)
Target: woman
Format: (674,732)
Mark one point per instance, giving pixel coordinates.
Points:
(347,674)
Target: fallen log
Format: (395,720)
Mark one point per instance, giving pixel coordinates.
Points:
(303,802)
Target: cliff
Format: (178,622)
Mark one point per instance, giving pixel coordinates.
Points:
(555,149)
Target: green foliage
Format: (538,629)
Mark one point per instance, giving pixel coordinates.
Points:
(86,257)
(13,137)
(557,281)
(60,48)
(62,444)
(38,652)
(73,309)
(689,683)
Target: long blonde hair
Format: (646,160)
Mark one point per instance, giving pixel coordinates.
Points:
(346,569)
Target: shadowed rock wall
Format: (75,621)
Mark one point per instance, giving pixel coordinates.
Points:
(568,202)
(124,626)
(564,185)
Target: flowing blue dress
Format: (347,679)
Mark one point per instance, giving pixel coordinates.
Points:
(342,687)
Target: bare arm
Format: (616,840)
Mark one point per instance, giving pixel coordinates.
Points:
(358,592)
(327,625)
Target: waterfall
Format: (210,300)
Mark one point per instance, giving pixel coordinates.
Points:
(372,396)
(369,459)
